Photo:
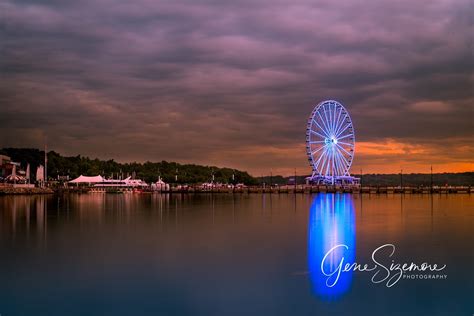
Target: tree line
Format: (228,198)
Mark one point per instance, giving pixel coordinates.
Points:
(170,172)
(410,179)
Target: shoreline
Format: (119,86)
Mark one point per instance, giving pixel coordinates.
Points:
(24,191)
(290,189)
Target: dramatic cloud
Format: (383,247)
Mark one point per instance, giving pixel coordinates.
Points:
(232,83)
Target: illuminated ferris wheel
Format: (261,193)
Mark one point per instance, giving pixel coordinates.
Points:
(330,143)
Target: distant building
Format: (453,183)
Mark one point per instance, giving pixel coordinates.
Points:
(160,185)
(40,173)
(4,159)
(10,171)
(6,166)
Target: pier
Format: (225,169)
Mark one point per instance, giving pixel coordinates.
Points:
(309,189)
(286,189)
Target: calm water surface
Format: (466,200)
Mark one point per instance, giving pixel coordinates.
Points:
(132,254)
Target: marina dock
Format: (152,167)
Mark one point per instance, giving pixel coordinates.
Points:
(308,189)
(287,189)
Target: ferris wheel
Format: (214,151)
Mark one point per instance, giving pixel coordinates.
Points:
(330,141)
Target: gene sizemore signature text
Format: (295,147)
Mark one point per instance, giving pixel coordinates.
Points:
(388,274)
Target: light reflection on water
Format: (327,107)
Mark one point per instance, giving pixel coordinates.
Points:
(331,223)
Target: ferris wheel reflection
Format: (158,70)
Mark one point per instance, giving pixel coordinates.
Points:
(331,223)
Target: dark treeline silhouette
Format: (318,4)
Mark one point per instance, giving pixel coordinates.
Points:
(149,171)
(411,179)
(419,179)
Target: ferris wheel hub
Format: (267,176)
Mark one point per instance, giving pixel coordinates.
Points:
(331,141)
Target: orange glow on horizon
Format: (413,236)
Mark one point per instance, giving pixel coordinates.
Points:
(386,156)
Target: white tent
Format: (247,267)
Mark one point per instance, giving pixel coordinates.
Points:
(86,179)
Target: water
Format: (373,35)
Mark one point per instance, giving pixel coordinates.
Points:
(132,254)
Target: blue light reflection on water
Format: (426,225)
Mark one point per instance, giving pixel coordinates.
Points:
(331,222)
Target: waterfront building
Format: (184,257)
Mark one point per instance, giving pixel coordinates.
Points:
(6,167)
(160,185)
(10,171)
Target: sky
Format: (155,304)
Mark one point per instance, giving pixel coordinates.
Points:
(232,83)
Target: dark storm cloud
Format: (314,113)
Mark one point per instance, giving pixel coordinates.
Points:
(232,83)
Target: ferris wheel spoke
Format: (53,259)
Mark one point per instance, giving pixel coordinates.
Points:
(337,166)
(334,119)
(321,162)
(334,171)
(319,168)
(341,171)
(342,163)
(342,118)
(317,150)
(345,136)
(324,166)
(331,119)
(328,121)
(343,129)
(320,127)
(320,157)
(317,142)
(342,148)
(345,161)
(314,132)
(340,123)
(330,163)
(337,120)
(326,131)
